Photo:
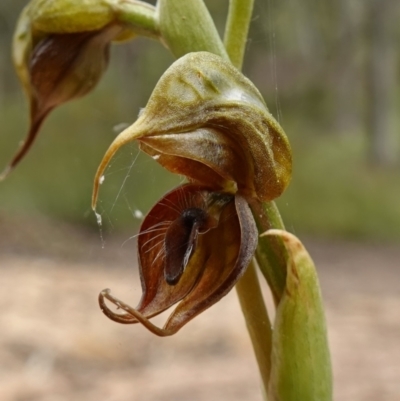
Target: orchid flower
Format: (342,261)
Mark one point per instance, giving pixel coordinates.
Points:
(209,123)
(206,121)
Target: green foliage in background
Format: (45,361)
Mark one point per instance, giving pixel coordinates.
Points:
(339,194)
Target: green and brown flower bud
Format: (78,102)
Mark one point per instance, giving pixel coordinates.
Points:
(61,51)
(206,121)
(300,360)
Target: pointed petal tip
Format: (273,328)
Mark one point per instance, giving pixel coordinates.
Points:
(123,138)
(37,119)
(4,174)
(116,317)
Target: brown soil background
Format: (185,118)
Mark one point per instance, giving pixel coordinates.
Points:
(56,345)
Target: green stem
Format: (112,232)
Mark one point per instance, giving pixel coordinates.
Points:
(186,26)
(257,320)
(248,288)
(140,15)
(271,253)
(237,28)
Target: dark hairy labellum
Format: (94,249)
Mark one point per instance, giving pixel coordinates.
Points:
(180,242)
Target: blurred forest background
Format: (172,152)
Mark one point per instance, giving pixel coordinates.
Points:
(329,72)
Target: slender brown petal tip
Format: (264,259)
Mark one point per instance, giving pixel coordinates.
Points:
(5,173)
(131,312)
(116,317)
(26,144)
(123,138)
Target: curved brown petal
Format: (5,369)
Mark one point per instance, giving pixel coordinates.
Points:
(213,148)
(221,257)
(196,170)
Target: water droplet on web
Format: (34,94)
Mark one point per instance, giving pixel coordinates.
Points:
(138,214)
(100,223)
(99,219)
(120,127)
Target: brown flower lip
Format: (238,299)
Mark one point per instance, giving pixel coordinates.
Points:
(193,246)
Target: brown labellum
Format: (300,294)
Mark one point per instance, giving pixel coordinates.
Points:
(194,245)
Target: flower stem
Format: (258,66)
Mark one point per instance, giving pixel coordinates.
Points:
(271,254)
(257,320)
(187,26)
(248,288)
(140,15)
(237,28)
